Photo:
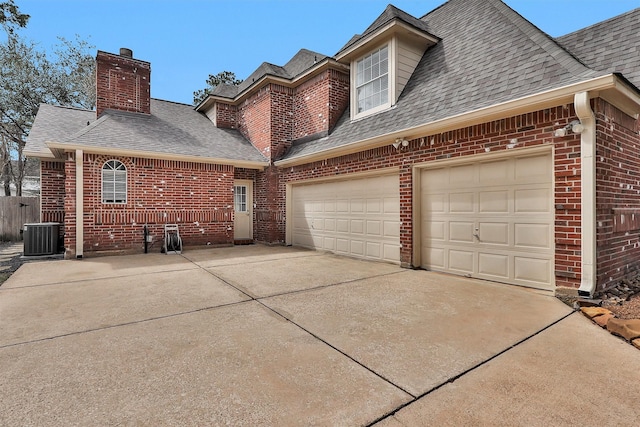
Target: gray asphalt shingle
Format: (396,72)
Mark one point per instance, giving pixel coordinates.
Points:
(498,56)
(612,45)
(172,128)
(56,124)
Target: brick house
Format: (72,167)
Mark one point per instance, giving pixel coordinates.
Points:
(496,152)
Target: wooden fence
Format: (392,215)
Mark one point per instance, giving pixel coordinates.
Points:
(14,213)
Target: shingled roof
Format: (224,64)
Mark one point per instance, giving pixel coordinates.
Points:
(488,54)
(171,128)
(301,61)
(56,124)
(390,13)
(612,45)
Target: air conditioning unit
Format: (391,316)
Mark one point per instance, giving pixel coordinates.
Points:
(41,238)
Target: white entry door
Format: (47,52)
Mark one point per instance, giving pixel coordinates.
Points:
(243,210)
(356,217)
(491,220)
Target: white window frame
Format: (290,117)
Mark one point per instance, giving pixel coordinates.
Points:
(357,85)
(240,198)
(114,173)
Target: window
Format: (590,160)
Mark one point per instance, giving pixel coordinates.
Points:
(240,198)
(372,80)
(114,182)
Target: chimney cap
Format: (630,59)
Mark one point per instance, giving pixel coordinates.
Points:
(126,52)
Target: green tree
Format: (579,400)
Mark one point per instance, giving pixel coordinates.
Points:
(10,16)
(30,76)
(224,77)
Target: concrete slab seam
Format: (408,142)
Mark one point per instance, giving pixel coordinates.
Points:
(456,377)
(252,262)
(71,282)
(135,322)
(277,313)
(346,282)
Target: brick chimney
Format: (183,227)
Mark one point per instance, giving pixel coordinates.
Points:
(122,83)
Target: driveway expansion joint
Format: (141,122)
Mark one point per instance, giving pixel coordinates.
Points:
(471,369)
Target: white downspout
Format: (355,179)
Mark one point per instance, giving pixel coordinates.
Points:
(79,203)
(588,191)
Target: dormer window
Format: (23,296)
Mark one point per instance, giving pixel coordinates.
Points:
(372,80)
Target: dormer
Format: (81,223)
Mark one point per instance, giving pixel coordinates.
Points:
(382,60)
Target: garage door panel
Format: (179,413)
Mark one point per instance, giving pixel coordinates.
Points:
(461,231)
(342,206)
(391,205)
(461,260)
(532,169)
(342,245)
(532,200)
(392,229)
(507,203)
(494,201)
(496,233)
(374,250)
(374,206)
(358,217)
(435,203)
(342,225)
(532,270)
(374,228)
(461,202)
(493,173)
(435,257)
(329,244)
(462,175)
(495,265)
(434,230)
(357,226)
(533,235)
(356,247)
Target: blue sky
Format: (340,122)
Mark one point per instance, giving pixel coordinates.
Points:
(186,40)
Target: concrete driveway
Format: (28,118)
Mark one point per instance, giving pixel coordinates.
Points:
(255,335)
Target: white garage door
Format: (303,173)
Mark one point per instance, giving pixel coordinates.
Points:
(357,217)
(491,220)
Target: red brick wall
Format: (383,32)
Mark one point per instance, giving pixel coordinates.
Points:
(52,191)
(618,195)
(338,95)
(226,116)
(319,102)
(196,196)
(276,115)
(122,83)
(254,120)
(532,129)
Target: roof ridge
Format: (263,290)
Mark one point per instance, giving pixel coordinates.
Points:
(564,58)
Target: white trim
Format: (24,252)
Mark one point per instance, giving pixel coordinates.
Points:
(79,203)
(588,193)
(355,115)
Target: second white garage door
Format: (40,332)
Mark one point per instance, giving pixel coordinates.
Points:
(356,217)
(491,220)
